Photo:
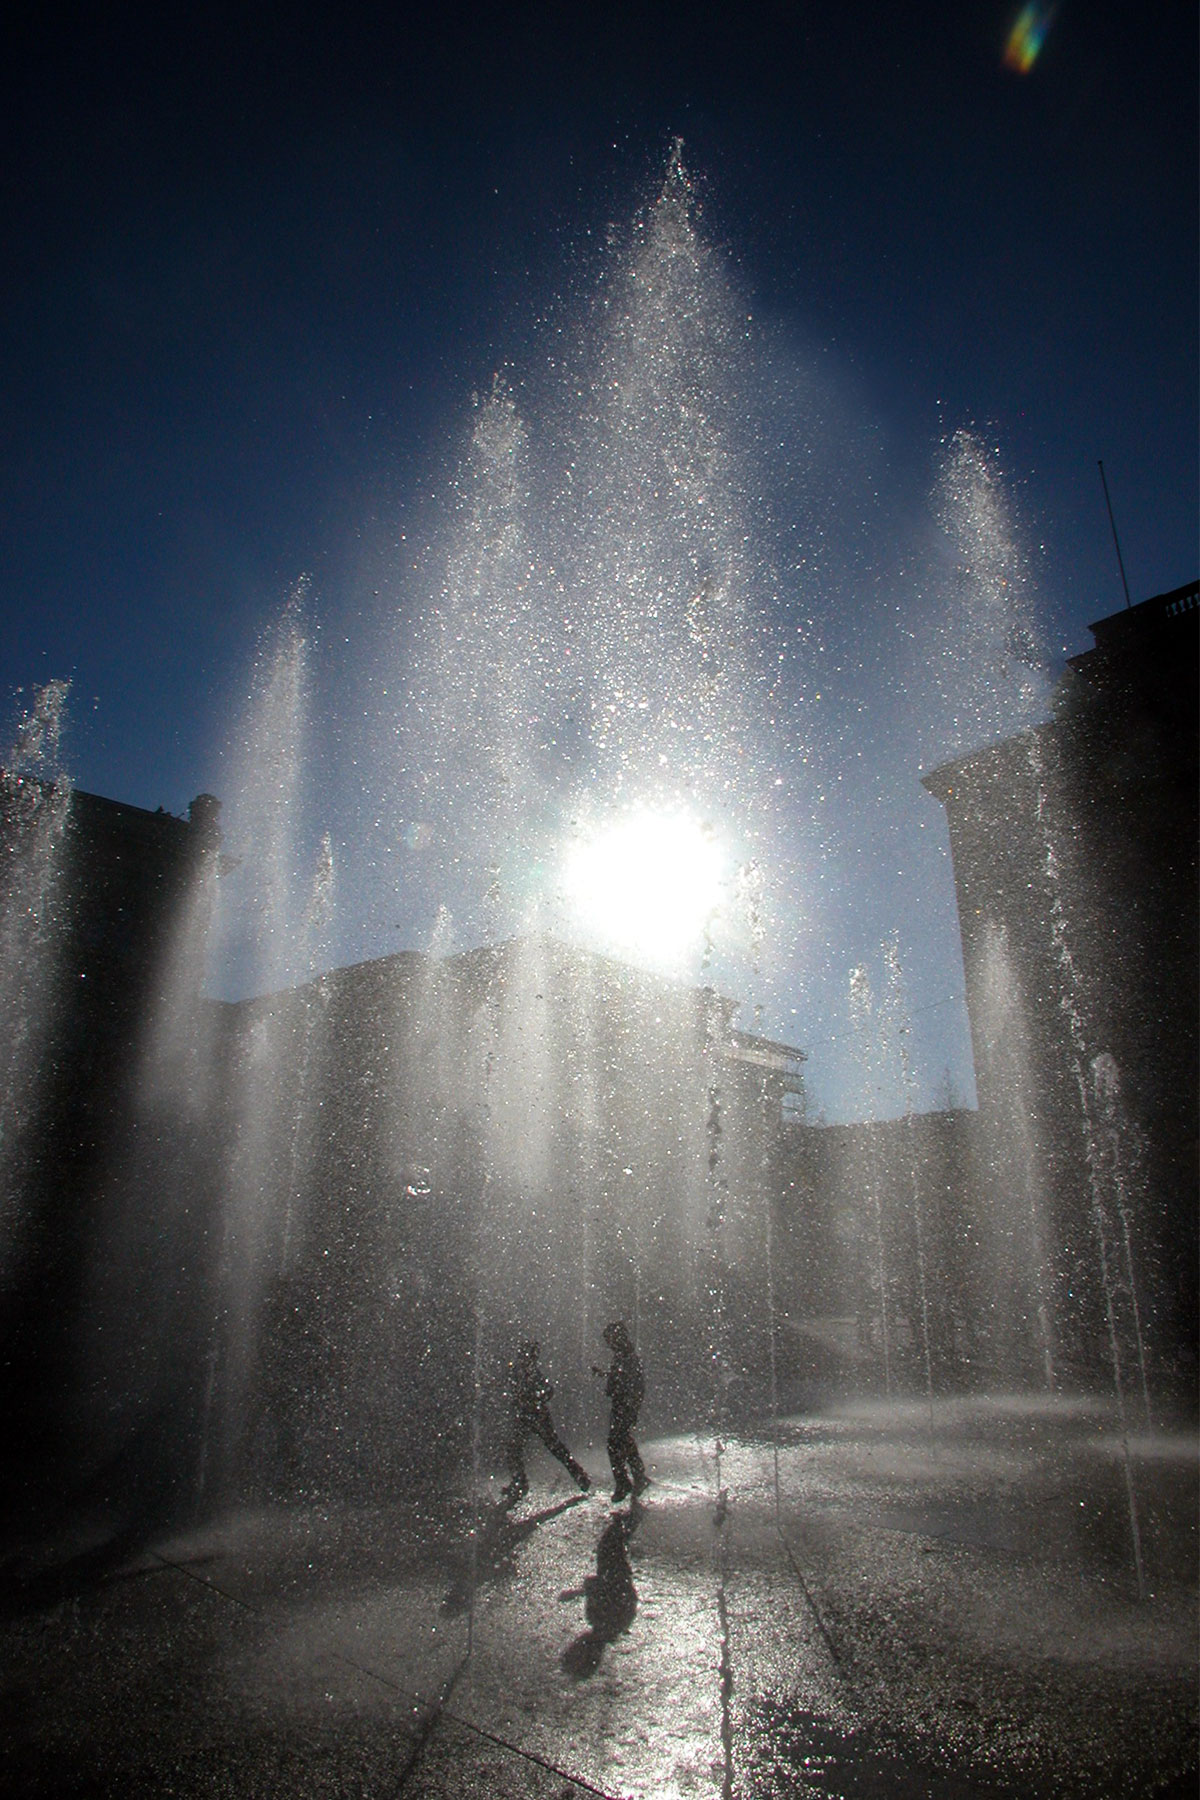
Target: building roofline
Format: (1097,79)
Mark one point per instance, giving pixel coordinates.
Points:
(940,780)
(1158,608)
(791,1052)
(80,798)
(769,1050)
(1111,633)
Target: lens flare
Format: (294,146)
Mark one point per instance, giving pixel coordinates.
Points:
(1026,38)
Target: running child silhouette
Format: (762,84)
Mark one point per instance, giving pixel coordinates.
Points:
(529,1396)
(625,1386)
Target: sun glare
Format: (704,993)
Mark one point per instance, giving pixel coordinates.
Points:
(646,885)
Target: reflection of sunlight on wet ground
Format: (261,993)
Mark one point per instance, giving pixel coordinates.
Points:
(998,1437)
(901,1616)
(920,1609)
(1164,1447)
(959,1412)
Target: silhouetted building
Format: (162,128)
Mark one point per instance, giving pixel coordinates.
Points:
(93,895)
(521,1140)
(1075,866)
(293,1238)
(881,1284)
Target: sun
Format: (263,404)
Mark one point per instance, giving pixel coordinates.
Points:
(646,885)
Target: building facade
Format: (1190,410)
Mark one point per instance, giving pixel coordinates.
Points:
(93,898)
(432,1160)
(1075,865)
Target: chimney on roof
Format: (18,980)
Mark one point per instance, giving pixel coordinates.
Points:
(204,817)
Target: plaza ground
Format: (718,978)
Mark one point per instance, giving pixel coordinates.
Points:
(895,1600)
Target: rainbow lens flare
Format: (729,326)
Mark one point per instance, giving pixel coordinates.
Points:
(1027,37)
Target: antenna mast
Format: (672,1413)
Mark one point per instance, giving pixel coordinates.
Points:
(1116,539)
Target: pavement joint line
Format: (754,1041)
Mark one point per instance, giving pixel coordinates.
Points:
(440,1711)
(720,1517)
(259,1612)
(214,1587)
(832,1648)
(798,1572)
(531,1756)
(725,1666)
(429,1724)
(434,1714)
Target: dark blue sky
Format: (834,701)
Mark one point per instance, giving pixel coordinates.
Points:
(256,261)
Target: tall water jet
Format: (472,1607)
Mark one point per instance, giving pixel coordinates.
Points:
(877,1298)
(992,683)
(899,1028)
(665,572)
(102,1332)
(262,932)
(483,693)
(35,793)
(1120,1151)
(988,659)
(1020,1250)
(586,691)
(1073,1005)
(1054,832)
(315,929)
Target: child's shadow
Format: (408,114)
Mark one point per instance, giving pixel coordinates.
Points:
(609,1597)
(495,1551)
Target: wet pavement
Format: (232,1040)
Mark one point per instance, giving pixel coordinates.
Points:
(876,1602)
